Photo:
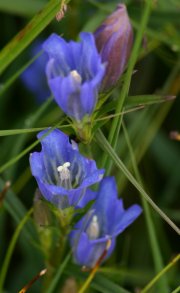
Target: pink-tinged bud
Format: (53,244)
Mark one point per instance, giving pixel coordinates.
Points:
(114,39)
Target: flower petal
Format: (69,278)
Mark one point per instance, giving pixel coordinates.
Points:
(121,222)
(57,49)
(76,97)
(82,172)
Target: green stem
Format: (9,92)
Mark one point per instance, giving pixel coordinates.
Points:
(24,152)
(13,78)
(158,262)
(128,74)
(89,279)
(176,290)
(57,249)
(161,273)
(53,263)
(104,144)
(109,163)
(58,274)
(11,248)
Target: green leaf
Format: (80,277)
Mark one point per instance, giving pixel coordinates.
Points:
(104,285)
(25,151)
(11,248)
(100,282)
(156,252)
(25,130)
(145,100)
(58,274)
(16,209)
(29,33)
(104,144)
(131,103)
(160,36)
(140,100)
(14,153)
(22,7)
(5,85)
(19,131)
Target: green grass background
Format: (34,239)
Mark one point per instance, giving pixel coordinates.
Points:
(142,142)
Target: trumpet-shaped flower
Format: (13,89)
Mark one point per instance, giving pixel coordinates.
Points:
(34,76)
(101,225)
(114,39)
(74,72)
(61,172)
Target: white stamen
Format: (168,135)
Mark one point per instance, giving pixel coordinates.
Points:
(64,171)
(76,76)
(101,176)
(93,229)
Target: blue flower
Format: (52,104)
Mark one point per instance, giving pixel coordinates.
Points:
(114,39)
(34,76)
(74,73)
(104,221)
(61,172)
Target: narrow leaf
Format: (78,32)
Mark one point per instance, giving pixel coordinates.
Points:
(11,248)
(29,33)
(102,141)
(146,100)
(22,7)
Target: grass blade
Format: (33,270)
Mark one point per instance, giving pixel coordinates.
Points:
(11,248)
(155,279)
(29,33)
(21,7)
(104,144)
(158,262)
(56,278)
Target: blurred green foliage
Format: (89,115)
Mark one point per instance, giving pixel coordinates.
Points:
(132,265)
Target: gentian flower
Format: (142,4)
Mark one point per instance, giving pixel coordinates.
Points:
(74,72)
(106,219)
(61,172)
(34,76)
(114,39)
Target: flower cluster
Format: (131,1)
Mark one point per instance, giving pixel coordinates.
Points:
(76,73)
(64,177)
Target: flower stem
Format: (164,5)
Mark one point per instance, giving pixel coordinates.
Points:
(176,290)
(156,278)
(11,248)
(58,274)
(94,270)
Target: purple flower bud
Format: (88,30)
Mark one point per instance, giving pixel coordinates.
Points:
(114,39)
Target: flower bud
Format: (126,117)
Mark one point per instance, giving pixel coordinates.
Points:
(114,39)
